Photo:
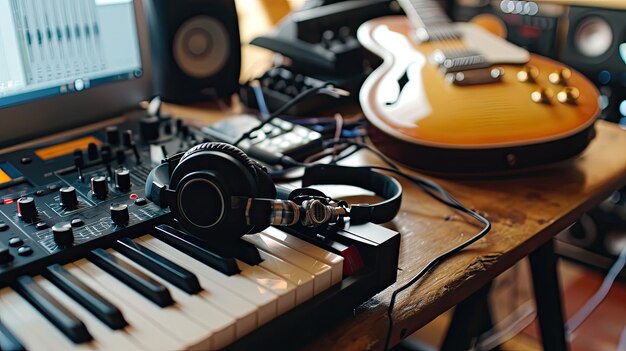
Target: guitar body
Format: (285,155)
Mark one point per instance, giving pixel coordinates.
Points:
(421,119)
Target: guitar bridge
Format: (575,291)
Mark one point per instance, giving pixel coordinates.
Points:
(476,76)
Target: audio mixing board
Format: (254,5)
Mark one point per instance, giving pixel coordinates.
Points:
(76,227)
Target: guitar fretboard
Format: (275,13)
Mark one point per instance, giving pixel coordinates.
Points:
(429,19)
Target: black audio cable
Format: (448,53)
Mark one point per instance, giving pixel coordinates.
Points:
(435,191)
(326,88)
(431,188)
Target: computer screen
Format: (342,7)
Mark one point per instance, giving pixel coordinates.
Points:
(56,47)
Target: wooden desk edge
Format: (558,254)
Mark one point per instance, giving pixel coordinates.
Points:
(489,267)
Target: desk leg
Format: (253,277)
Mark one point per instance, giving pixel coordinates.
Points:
(548,297)
(471,318)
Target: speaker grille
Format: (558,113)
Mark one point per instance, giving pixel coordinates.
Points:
(201,46)
(593,36)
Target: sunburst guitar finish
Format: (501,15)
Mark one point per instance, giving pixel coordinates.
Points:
(508,114)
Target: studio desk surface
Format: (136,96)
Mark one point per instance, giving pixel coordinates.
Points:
(527,210)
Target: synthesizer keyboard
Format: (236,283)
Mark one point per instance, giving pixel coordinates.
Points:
(86,262)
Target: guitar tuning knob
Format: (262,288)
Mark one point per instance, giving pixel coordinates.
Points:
(568,95)
(561,77)
(541,96)
(528,74)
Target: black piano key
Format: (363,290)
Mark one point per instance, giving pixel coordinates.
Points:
(160,265)
(193,247)
(53,310)
(146,286)
(87,297)
(8,341)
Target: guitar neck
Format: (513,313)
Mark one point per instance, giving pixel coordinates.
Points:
(429,19)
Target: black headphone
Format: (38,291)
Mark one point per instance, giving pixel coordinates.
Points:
(215,189)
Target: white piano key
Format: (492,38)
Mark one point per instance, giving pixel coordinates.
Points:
(221,325)
(303,279)
(150,332)
(171,317)
(104,337)
(320,270)
(31,327)
(263,298)
(242,310)
(330,258)
(285,289)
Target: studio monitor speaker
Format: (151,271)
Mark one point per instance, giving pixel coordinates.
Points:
(196,50)
(595,39)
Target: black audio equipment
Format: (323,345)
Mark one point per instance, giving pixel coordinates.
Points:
(217,192)
(84,253)
(195,49)
(590,39)
(321,44)
(596,46)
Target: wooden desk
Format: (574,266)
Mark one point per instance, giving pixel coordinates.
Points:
(527,211)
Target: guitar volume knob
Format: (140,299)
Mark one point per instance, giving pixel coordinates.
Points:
(541,96)
(568,95)
(561,77)
(528,74)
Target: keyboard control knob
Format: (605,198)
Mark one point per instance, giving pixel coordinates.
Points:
(92,151)
(69,198)
(63,234)
(26,208)
(5,255)
(99,187)
(119,214)
(112,136)
(122,179)
(149,128)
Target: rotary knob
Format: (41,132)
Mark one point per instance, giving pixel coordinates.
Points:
(99,187)
(122,179)
(63,234)
(149,128)
(112,136)
(5,255)
(568,95)
(92,151)
(528,74)
(26,208)
(69,198)
(561,77)
(119,213)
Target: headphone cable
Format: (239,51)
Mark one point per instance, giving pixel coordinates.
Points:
(438,193)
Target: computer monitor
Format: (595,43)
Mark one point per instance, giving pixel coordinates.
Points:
(65,63)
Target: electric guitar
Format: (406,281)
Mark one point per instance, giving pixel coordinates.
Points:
(454,98)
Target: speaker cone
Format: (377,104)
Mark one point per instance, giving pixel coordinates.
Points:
(201,46)
(593,37)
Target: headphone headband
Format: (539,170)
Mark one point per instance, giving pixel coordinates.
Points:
(362,177)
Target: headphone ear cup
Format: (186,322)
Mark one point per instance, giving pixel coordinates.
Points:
(232,173)
(155,182)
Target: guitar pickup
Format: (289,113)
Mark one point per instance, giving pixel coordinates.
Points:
(457,61)
(476,76)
